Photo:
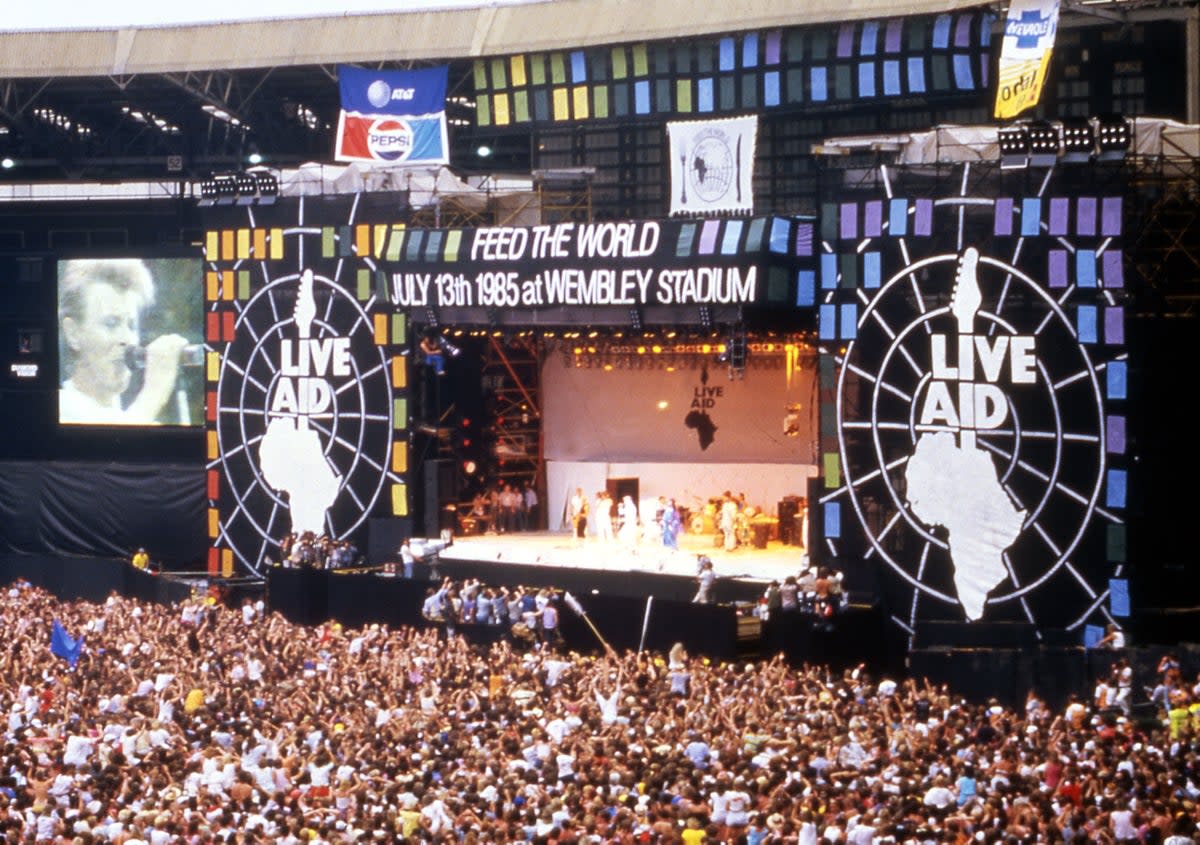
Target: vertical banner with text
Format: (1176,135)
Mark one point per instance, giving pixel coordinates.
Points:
(1029,33)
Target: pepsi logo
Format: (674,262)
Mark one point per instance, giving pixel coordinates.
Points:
(390,139)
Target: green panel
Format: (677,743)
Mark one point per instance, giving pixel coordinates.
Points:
(345,242)
(600,101)
(382,289)
(662,95)
(704,56)
(940,67)
(641,66)
(683,95)
(777,284)
(400,412)
(829,221)
(794,46)
(328,242)
(521,106)
(828,369)
(620,63)
(795,86)
(727,94)
(537,69)
(842,89)
(243,284)
(363,284)
(399,329)
(916,35)
(831,470)
(829,420)
(499,73)
(483,111)
(662,59)
(395,243)
(750,91)
(819,45)
(848,269)
(453,243)
(683,58)
(480,76)
(558,69)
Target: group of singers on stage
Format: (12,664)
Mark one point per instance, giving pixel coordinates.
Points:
(311,551)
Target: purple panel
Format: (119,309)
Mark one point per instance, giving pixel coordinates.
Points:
(891,39)
(1112,268)
(772,49)
(923,225)
(1057,270)
(1085,222)
(708,236)
(1004,217)
(873,219)
(1114,326)
(1116,435)
(1110,217)
(804,239)
(849,220)
(962,32)
(845,45)
(1060,210)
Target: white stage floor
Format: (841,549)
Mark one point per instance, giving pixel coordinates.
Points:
(560,549)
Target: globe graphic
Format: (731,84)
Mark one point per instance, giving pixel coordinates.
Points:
(711,168)
(379,93)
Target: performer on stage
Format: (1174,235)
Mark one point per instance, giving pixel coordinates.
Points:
(729,514)
(706,580)
(579,513)
(604,514)
(670,525)
(627,513)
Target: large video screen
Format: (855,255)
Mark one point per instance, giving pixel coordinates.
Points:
(130,341)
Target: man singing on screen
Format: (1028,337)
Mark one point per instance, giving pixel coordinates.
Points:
(100,303)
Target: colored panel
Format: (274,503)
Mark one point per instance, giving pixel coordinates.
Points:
(395,242)
(1115,489)
(868,40)
(873,219)
(212,445)
(778,240)
(433,246)
(845,40)
(849,320)
(832,522)
(804,239)
(579,98)
(662,95)
(578,66)
(260,243)
(483,111)
(687,237)
(558,69)
(1116,435)
(964,80)
(383,289)
(399,457)
(1059,213)
(923,218)
(704,95)
(806,288)
(917,31)
(827,370)
(214,523)
(939,69)
(772,96)
(754,234)
(841,82)
(399,413)
(362,239)
(276,244)
(399,329)
(1115,543)
(212,366)
(228,286)
(725,54)
(818,78)
(1031,217)
(1085,223)
(362,284)
(1118,597)
(777,285)
(731,238)
(866,79)
(641,97)
(795,85)
(499,74)
(829,221)
(453,244)
(480,74)
(399,500)
(848,270)
(227,246)
(1085,324)
(226,563)
(228,324)
(212,326)
(898,218)
(328,242)
(750,91)
(1113,268)
(750,50)
(1057,270)
(1115,375)
(641,66)
(832,471)
(1110,217)
(210,406)
(345,241)
(708,236)
(827,322)
(598,60)
(829,271)
(727,93)
(1114,325)
(243,243)
(500,111)
(541,105)
(1004,217)
(872,270)
(941,32)
(537,69)
(772,46)
(399,372)
(600,101)
(891,39)
(412,251)
(962,31)
(380,326)
(521,106)
(620,67)
(916,75)
(243,285)
(848,220)
(1085,268)
(891,78)
(212,245)
(213,484)
(516,69)
(212,290)
(819,45)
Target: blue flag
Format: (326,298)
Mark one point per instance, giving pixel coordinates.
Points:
(62,645)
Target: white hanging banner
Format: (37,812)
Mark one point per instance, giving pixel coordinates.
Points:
(712,165)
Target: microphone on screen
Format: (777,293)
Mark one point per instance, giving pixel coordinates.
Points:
(191,355)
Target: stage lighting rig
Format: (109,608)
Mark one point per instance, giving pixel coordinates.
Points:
(1114,137)
(1043,144)
(1014,147)
(1079,140)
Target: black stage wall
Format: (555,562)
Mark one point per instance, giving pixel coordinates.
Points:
(90,579)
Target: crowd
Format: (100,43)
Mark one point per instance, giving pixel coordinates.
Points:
(196,723)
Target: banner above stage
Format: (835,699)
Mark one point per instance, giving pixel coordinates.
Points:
(1029,32)
(393,117)
(626,264)
(712,165)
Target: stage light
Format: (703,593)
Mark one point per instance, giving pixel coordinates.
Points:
(483,151)
(1114,136)
(431,318)
(247,188)
(635,319)
(705,318)
(1043,144)
(1079,141)
(1014,147)
(267,186)
(7,163)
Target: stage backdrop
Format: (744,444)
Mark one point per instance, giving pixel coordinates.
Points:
(307,412)
(687,433)
(973,382)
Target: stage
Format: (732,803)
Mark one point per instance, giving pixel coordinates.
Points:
(547,558)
